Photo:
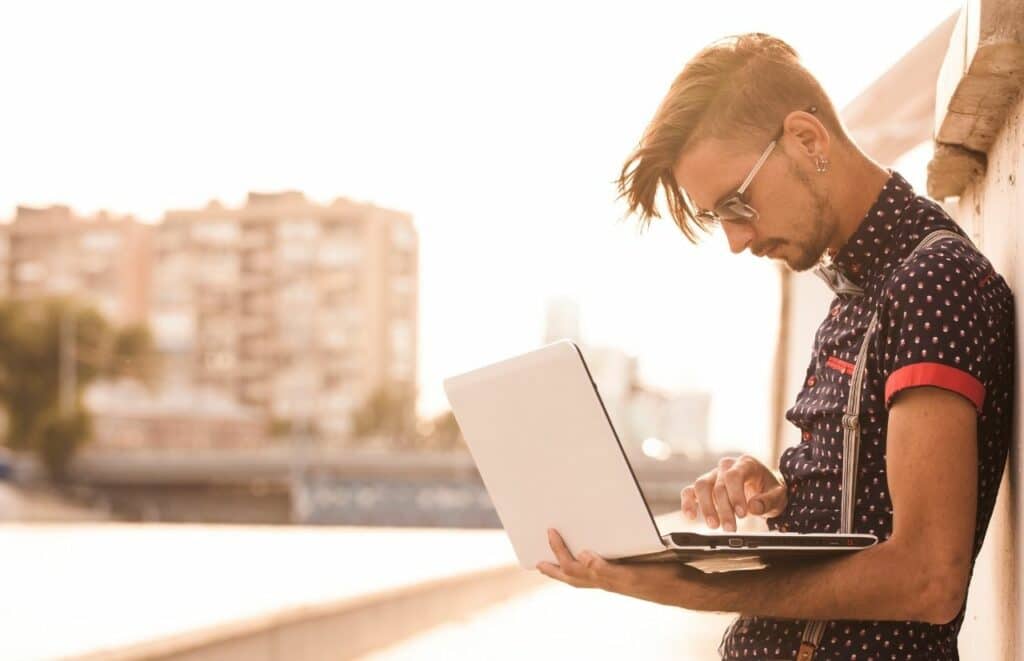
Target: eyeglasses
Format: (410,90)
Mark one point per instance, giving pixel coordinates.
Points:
(733,208)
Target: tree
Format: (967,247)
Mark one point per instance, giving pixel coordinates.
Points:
(390,412)
(441,432)
(280,427)
(30,372)
(59,437)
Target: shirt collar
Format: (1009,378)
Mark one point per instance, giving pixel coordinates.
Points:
(862,256)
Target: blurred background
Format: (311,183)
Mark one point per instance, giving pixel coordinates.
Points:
(245,242)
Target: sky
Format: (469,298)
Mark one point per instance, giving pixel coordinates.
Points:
(499,126)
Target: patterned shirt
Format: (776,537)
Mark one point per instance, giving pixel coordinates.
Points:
(945,319)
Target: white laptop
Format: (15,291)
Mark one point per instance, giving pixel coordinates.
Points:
(549,457)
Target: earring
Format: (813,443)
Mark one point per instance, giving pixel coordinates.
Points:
(822,164)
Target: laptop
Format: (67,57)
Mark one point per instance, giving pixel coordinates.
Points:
(549,457)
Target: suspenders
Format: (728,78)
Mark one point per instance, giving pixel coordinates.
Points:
(814,629)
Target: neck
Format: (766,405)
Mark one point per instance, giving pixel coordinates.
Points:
(856,184)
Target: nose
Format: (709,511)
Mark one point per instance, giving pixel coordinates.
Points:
(740,236)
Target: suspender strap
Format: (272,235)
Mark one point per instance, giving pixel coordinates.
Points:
(815,629)
(938,235)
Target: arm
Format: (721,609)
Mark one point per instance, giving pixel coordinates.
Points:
(920,573)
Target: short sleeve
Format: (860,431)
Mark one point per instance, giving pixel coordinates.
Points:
(935,326)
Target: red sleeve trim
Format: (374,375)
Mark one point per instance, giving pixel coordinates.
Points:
(935,374)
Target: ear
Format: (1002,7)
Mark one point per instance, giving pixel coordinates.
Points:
(807,134)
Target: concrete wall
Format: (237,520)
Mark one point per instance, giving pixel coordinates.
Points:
(991,208)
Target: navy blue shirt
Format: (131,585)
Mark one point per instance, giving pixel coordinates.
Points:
(946,319)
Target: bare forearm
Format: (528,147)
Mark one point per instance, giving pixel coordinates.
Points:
(884,582)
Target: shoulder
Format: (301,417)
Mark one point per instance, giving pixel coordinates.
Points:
(950,267)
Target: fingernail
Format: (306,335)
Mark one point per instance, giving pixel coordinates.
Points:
(712,521)
(739,511)
(729,526)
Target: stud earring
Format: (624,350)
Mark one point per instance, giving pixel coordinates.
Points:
(822,164)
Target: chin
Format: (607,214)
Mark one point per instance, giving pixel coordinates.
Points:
(805,263)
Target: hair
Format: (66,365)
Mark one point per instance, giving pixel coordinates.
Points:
(739,88)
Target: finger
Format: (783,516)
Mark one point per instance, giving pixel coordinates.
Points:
(724,506)
(721,497)
(773,501)
(735,478)
(705,501)
(565,558)
(688,498)
(555,572)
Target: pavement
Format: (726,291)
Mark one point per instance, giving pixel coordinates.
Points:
(557,621)
(73,589)
(17,504)
(561,622)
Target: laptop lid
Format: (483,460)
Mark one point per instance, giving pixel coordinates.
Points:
(549,456)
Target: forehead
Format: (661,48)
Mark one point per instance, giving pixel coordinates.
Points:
(710,169)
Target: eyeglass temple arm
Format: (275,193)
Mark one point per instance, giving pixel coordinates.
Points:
(767,152)
(757,166)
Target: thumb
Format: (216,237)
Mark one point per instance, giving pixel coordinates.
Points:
(769,503)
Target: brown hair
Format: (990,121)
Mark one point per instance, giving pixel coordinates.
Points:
(740,87)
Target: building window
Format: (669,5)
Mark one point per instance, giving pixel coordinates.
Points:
(30,272)
(339,253)
(221,232)
(99,241)
(403,237)
(298,230)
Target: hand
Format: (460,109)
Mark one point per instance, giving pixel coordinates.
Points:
(736,487)
(660,582)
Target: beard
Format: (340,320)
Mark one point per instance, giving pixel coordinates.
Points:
(823,224)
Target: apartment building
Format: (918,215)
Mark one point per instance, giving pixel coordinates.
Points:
(103,258)
(298,309)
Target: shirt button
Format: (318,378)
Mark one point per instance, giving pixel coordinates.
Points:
(807,435)
(811,380)
(835,311)
(855,267)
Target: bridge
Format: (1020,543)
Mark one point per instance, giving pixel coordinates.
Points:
(285,484)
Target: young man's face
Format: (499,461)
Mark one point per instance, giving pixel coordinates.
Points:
(796,220)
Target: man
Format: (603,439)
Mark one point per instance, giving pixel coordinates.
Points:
(747,140)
